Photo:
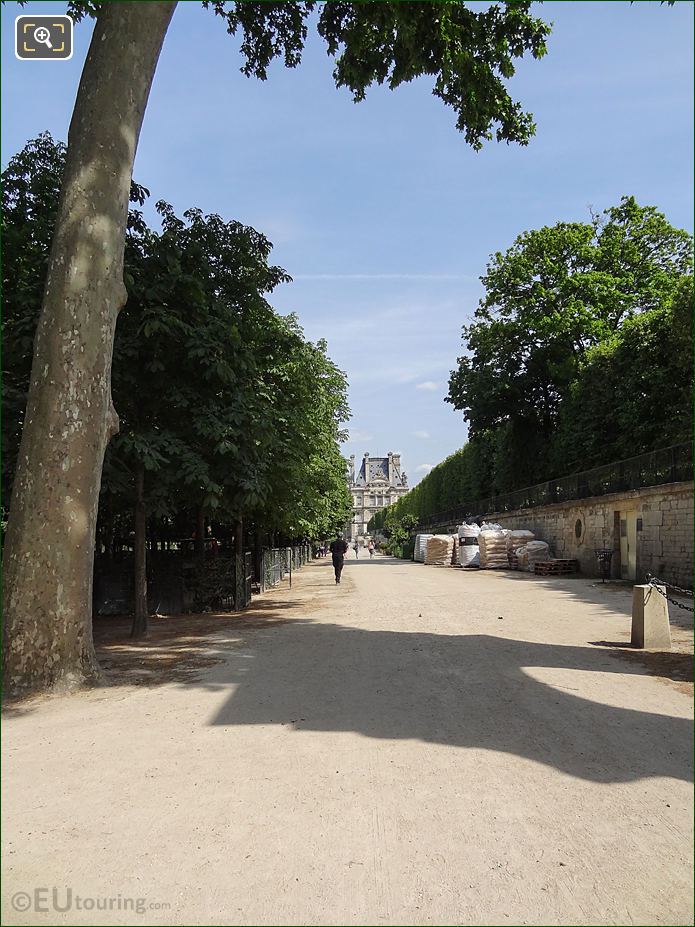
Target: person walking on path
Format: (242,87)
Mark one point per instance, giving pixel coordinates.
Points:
(338,549)
(371,549)
(356,548)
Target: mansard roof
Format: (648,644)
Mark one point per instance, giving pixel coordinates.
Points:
(375,471)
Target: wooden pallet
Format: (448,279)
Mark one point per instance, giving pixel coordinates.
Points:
(556,567)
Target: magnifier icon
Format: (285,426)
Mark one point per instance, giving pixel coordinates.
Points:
(43,36)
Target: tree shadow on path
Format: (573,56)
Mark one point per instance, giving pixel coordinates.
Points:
(468,691)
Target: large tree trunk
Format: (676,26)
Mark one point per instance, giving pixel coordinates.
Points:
(70,418)
(139,628)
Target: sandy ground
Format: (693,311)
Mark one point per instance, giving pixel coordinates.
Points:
(417,746)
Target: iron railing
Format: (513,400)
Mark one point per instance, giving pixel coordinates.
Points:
(300,555)
(279,561)
(668,465)
(273,567)
(248,576)
(177,581)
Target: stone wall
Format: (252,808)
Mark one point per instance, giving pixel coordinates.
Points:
(574,529)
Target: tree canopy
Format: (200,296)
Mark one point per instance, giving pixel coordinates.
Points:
(470,53)
(554,294)
(223,402)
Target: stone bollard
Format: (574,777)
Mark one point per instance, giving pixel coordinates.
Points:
(650,627)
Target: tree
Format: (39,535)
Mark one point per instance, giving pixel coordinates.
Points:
(70,418)
(30,195)
(554,294)
(186,355)
(309,494)
(397,527)
(633,391)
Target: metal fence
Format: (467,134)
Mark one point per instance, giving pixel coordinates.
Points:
(243,579)
(279,562)
(300,555)
(668,465)
(177,582)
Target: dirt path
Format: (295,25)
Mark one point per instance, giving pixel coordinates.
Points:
(416,746)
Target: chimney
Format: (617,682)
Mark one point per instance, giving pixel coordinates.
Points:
(391,472)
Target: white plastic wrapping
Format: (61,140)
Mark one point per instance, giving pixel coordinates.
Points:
(468,531)
(532,553)
(421,546)
(515,540)
(469,555)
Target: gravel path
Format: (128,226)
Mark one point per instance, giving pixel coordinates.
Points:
(417,746)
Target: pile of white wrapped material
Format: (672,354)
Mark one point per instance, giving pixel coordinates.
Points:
(515,540)
(493,547)
(469,552)
(532,553)
(440,550)
(469,531)
(421,546)
(469,556)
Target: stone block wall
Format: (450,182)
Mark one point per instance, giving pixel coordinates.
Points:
(574,529)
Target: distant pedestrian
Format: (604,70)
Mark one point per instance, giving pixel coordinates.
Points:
(338,549)
(371,549)
(356,548)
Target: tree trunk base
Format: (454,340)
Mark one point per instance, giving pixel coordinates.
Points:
(62,681)
(139,630)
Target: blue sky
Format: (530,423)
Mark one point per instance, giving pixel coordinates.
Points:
(380,212)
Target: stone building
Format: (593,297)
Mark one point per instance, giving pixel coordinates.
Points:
(378,483)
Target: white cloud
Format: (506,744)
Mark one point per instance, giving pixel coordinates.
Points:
(424,468)
(421,434)
(427,384)
(358,434)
